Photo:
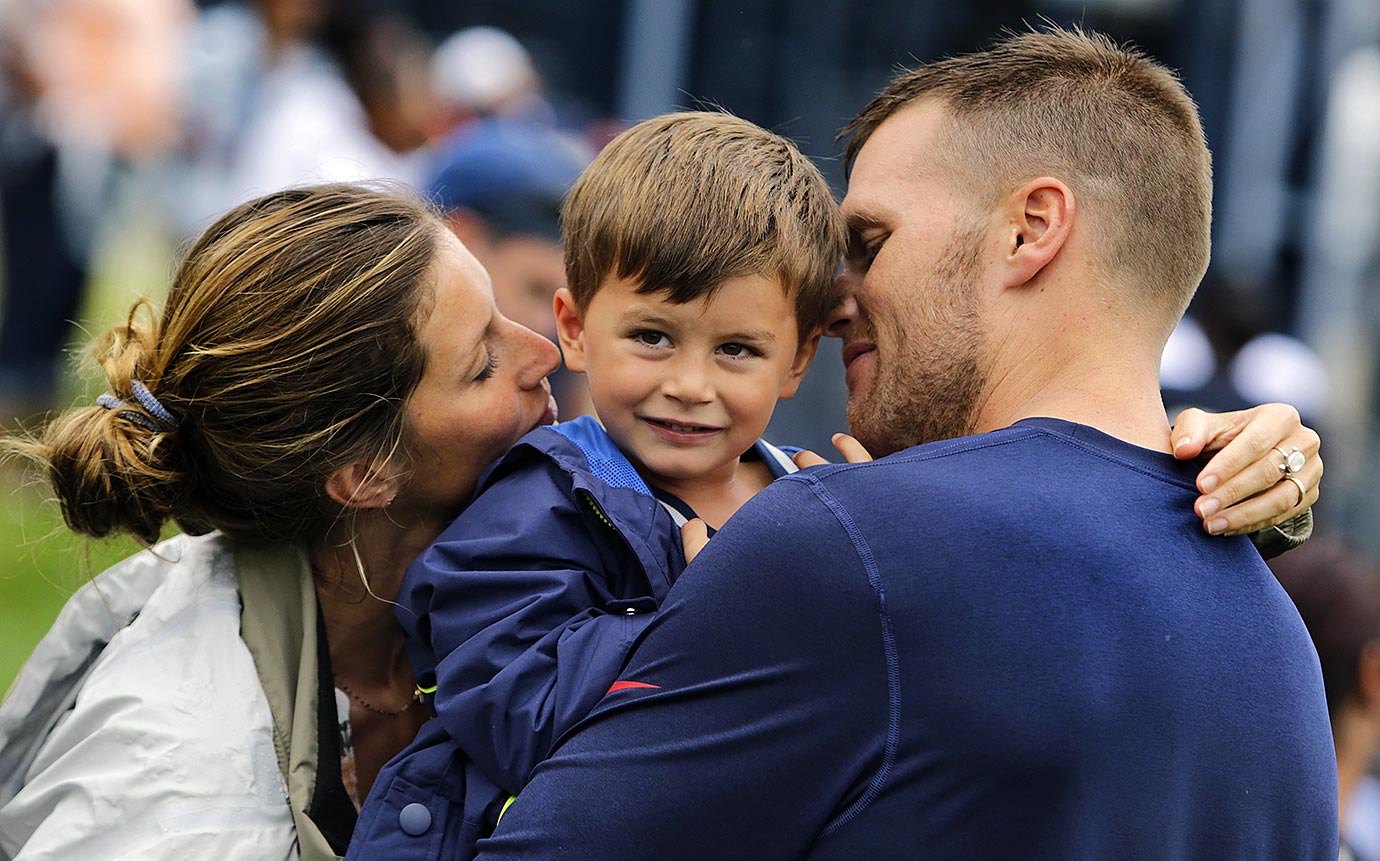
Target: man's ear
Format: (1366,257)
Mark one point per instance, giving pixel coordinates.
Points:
(570,330)
(804,355)
(1040,217)
(362,484)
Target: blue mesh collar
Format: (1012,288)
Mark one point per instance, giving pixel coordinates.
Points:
(606,462)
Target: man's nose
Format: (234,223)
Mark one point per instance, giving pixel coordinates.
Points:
(846,311)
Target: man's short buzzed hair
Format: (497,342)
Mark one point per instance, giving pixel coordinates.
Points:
(1117,127)
(684,201)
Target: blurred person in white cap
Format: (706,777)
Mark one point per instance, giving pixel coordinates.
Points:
(485,72)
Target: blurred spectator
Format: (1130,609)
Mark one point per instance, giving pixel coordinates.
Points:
(1224,356)
(484,72)
(384,58)
(286,92)
(500,183)
(87,85)
(1337,592)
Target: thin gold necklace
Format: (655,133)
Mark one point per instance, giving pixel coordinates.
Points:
(412,701)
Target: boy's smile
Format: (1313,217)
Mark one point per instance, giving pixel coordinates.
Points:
(685,389)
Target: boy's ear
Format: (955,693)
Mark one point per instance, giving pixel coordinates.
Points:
(362,484)
(804,355)
(570,330)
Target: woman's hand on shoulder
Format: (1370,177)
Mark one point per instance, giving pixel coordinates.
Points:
(1245,487)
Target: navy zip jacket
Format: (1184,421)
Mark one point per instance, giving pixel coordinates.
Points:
(1014,645)
(519,616)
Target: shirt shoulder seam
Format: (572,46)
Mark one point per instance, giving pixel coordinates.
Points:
(889,652)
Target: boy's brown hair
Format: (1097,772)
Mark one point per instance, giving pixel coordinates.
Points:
(683,201)
(1115,125)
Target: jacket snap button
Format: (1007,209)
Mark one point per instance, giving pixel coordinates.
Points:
(414,819)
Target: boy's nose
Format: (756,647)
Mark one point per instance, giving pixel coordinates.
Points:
(689,381)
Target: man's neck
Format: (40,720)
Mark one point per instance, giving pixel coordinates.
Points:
(1117,394)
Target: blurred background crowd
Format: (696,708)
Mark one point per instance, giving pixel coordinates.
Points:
(126,125)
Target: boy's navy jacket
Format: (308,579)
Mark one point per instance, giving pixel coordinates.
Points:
(520,616)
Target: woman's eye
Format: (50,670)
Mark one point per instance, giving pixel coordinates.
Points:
(490,365)
(652,339)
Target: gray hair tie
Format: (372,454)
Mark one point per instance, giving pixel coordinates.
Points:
(148,402)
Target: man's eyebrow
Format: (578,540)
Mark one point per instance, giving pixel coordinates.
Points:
(861,221)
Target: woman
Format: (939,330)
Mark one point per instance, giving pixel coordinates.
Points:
(325,385)
(316,401)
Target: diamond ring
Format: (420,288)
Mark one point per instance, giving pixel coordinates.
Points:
(1294,460)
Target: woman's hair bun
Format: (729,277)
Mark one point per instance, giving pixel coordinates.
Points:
(113,465)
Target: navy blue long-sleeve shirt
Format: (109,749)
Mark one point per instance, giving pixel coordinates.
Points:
(1017,645)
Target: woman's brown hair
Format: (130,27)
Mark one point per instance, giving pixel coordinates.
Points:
(286,348)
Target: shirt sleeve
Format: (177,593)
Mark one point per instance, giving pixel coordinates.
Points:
(523,603)
(752,718)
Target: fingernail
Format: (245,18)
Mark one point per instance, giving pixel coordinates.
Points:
(1208,483)
(1208,507)
(1182,442)
(1218,526)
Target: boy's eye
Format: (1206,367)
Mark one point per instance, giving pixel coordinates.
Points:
(651,338)
(490,365)
(738,351)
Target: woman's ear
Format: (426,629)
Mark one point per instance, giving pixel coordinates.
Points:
(362,485)
(1040,218)
(570,330)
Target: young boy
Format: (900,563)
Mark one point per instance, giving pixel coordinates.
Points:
(700,254)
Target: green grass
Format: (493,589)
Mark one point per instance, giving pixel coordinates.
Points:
(41,561)
(41,564)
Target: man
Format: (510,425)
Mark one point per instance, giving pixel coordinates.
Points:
(1016,644)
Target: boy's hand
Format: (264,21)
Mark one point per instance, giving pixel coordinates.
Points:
(1243,488)
(850,448)
(694,535)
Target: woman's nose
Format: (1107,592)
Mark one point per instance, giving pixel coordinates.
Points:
(539,357)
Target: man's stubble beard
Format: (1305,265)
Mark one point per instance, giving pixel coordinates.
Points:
(931,388)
